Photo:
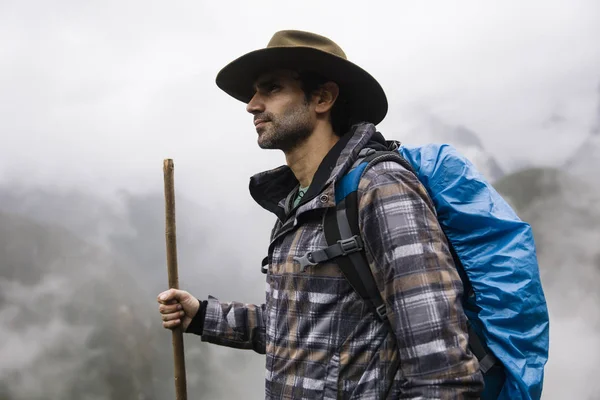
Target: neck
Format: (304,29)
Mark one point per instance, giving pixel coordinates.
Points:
(304,160)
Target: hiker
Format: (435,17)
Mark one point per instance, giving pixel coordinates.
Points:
(321,339)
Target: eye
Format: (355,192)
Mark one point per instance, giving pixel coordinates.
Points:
(273,87)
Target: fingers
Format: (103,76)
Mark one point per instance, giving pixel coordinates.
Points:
(172,320)
(172,324)
(169,308)
(173,316)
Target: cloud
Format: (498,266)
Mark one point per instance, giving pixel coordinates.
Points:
(101,93)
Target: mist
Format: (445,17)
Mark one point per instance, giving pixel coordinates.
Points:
(94,95)
(78,312)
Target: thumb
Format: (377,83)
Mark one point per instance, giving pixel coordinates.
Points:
(171,294)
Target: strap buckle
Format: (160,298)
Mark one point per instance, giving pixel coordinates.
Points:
(343,247)
(305,260)
(350,245)
(487,362)
(382,312)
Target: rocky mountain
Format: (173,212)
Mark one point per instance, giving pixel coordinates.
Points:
(585,161)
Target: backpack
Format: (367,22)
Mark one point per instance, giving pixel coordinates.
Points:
(494,253)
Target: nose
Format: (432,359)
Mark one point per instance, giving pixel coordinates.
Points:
(255,105)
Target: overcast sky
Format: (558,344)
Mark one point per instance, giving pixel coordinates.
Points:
(99,93)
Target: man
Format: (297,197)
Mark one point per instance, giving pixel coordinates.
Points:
(320,338)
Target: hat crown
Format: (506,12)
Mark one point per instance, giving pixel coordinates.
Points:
(292,38)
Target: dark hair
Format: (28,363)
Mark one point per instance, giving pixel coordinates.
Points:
(340,113)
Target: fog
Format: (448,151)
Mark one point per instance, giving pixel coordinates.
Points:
(94,95)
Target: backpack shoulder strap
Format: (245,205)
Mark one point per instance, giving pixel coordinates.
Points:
(341,224)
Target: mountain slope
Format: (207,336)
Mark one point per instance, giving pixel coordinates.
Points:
(585,162)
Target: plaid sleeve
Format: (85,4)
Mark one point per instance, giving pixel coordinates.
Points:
(234,324)
(413,267)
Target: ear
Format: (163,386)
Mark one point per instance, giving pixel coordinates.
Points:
(326,97)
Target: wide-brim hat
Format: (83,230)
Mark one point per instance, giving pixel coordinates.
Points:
(298,50)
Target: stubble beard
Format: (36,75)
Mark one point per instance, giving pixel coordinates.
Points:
(287,131)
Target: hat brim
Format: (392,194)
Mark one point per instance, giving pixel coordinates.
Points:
(364,95)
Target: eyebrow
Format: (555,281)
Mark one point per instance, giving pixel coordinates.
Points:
(266,82)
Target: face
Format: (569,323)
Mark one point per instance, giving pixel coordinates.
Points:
(282,116)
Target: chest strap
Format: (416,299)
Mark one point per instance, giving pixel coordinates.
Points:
(341,248)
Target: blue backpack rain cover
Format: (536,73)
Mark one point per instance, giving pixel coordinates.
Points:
(498,257)
(498,254)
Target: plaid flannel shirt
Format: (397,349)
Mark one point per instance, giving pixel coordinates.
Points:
(320,339)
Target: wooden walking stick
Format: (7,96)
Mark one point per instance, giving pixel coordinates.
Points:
(170,234)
